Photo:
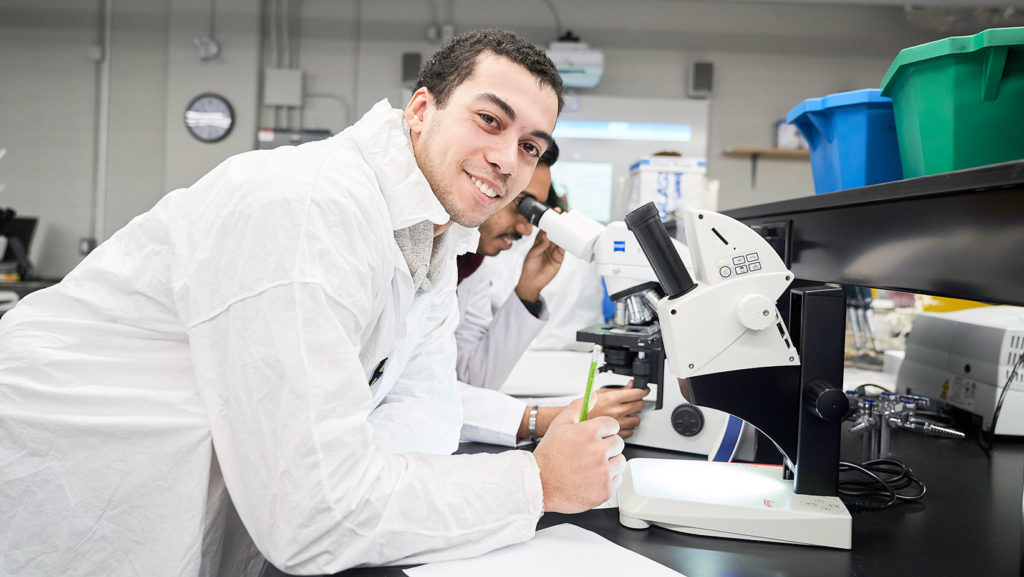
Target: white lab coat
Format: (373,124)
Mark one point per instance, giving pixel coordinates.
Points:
(221,345)
(489,416)
(491,339)
(490,343)
(574,297)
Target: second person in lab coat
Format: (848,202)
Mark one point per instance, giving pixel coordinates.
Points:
(490,342)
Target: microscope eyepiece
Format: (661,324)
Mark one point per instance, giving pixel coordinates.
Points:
(532,209)
(654,240)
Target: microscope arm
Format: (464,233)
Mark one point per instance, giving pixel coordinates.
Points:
(726,324)
(725,319)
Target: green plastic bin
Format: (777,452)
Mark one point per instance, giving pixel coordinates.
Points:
(959,102)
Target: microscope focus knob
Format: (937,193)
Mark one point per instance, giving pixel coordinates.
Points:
(756,312)
(825,401)
(687,420)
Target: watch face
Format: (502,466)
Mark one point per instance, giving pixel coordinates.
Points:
(209,117)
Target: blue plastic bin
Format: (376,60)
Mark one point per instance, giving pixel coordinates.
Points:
(852,136)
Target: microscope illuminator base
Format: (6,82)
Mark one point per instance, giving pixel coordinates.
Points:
(731,500)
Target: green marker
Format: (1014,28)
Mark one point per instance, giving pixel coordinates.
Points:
(595,358)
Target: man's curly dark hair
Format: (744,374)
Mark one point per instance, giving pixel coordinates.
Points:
(455,61)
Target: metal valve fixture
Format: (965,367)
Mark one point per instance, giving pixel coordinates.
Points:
(876,418)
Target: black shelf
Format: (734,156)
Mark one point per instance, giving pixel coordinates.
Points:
(958,234)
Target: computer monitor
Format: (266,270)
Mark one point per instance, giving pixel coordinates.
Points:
(19,233)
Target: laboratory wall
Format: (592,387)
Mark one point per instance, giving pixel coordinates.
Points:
(48,94)
(88,148)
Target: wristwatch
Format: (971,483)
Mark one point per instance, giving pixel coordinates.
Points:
(532,423)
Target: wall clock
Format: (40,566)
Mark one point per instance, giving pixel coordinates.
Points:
(209,117)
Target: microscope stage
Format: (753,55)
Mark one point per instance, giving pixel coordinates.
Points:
(732,500)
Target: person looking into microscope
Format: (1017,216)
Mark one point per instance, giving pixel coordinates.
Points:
(490,342)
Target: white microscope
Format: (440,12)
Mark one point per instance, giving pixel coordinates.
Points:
(725,335)
(632,342)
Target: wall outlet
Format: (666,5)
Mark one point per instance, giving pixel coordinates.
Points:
(86,245)
(94,53)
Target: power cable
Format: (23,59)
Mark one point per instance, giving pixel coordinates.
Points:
(885,479)
(985,437)
(558,21)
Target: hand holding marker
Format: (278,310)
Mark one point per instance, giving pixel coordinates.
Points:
(595,358)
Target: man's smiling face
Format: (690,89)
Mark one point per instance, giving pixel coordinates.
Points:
(479,151)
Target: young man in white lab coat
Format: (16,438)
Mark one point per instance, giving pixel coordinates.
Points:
(226,352)
(490,343)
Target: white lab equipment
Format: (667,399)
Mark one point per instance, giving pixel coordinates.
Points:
(612,248)
(966,358)
(633,342)
(672,183)
(678,425)
(737,293)
(727,321)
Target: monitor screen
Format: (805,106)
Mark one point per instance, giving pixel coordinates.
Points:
(587,186)
(21,229)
